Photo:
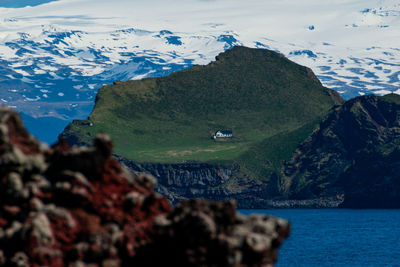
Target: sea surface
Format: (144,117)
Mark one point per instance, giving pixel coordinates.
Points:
(339,237)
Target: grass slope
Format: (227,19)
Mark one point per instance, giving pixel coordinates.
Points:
(258,94)
(395,98)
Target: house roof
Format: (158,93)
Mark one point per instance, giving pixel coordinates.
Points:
(224,131)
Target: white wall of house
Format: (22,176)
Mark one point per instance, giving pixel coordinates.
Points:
(219,134)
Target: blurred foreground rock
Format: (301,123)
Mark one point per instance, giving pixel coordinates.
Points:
(64,206)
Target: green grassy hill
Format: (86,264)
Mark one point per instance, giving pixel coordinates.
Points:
(270,103)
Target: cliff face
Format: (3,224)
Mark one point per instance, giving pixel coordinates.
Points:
(202,180)
(222,182)
(353,155)
(186,175)
(186,180)
(64,206)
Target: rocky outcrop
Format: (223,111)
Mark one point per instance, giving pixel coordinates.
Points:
(216,182)
(201,233)
(186,180)
(64,206)
(187,174)
(354,156)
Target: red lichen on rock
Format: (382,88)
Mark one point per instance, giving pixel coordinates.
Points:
(70,206)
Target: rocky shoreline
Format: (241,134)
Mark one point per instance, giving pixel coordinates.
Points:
(202,180)
(319,203)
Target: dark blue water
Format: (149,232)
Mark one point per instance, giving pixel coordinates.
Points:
(22,3)
(337,237)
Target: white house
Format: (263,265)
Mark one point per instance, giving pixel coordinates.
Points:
(223,134)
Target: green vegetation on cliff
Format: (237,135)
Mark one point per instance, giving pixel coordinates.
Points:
(258,94)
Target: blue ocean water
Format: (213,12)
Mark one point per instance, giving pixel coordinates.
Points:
(339,237)
(46,129)
(22,3)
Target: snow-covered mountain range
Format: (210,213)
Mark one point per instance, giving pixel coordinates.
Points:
(55,55)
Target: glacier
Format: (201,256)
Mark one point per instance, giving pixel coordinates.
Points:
(55,55)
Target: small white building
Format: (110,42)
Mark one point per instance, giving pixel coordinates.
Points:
(222,134)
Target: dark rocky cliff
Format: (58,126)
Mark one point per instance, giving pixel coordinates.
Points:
(221,182)
(353,155)
(185,180)
(202,180)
